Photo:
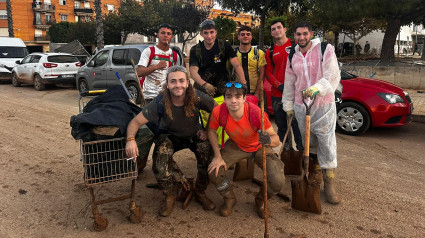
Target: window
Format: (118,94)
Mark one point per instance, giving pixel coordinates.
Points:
(133,54)
(35,58)
(3,14)
(62,2)
(13,52)
(118,57)
(110,7)
(48,18)
(77,5)
(64,17)
(26,59)
(62,59)
(101,58)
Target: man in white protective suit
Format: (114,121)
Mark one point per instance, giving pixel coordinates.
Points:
(311,74)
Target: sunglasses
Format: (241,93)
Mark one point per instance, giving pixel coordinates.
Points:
(236,84)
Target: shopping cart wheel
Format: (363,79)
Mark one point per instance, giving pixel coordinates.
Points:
(100,223)
(136,215)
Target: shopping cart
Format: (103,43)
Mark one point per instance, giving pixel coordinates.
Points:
(105,161)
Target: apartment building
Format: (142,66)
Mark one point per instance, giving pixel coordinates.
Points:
(32,18)
(241,19)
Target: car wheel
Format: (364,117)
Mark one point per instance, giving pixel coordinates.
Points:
(38,85)
(133,90)
(15,81)
(83,86)
(352,119)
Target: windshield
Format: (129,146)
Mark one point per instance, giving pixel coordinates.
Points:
(62,59)
(13,52)
(346,75)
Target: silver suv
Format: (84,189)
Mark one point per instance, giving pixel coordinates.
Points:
(45,68)
(99,72)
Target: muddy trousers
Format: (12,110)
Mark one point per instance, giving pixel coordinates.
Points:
(166,146)
(282,124)
(232,154)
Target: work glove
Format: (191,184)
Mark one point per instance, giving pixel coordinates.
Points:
(264,138)
(280,87)
(209,89)
(310,92)
(290,114)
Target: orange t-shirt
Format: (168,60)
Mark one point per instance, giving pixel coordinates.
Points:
(240,131)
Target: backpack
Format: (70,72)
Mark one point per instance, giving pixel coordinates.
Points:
(254,118)
(271,55)
(152,54)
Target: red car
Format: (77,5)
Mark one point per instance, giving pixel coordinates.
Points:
(366,102)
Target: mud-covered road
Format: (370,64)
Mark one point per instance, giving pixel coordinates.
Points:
(381,178)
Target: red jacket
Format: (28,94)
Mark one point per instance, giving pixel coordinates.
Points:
(276,75)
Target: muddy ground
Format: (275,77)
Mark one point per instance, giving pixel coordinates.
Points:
(380,179)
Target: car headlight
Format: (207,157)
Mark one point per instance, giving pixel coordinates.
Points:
(391,98)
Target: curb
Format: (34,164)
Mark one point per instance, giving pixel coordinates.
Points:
(418,118)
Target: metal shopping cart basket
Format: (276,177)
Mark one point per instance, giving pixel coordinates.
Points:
(105,161)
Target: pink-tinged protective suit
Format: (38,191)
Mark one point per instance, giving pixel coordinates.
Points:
(324,75)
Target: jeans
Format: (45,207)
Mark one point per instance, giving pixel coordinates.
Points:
(281,122)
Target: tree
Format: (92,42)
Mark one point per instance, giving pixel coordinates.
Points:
(84,32)
(112,29)
(9,18)
(225,28)
(58,32)
(186,20)
(260,7)
(396,14)
(99,24)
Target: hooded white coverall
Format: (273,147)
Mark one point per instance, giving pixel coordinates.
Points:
(324,75)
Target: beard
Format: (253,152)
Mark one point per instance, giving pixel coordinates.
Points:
(306,44)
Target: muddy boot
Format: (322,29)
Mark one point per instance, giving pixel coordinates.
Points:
(167,206)
(259,202)
(329,182)
(206,203)
(229,202)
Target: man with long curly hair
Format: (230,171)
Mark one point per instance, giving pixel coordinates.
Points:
(176,112)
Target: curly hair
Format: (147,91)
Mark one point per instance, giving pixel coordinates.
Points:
(190,100)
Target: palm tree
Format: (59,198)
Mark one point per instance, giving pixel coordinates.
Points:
(9,18)
(99,24)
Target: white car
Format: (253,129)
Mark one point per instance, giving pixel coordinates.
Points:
(45,68)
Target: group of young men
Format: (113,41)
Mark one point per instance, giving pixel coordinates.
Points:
(174,108)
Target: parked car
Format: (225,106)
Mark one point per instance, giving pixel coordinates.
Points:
(370,102)
(365,102)
(99,72)
(45,68)
(11,50)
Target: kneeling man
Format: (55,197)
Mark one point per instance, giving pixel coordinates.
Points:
(176,112)
(242,125)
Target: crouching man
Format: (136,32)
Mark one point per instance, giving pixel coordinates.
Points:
(176,111)
(241,121)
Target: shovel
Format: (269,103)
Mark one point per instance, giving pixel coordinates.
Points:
(306,192)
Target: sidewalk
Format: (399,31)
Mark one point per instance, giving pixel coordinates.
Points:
(418,99)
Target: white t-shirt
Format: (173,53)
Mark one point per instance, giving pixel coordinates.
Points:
(153,83)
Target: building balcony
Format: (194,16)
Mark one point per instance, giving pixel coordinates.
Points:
(43,23)
(42,7)
(83,11)
(41,38)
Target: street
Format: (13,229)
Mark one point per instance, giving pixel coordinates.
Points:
(380,178)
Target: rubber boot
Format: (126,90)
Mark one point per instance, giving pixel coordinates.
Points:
(329,182)
(168,205)
(259,202)
(229,202)
(206,203)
